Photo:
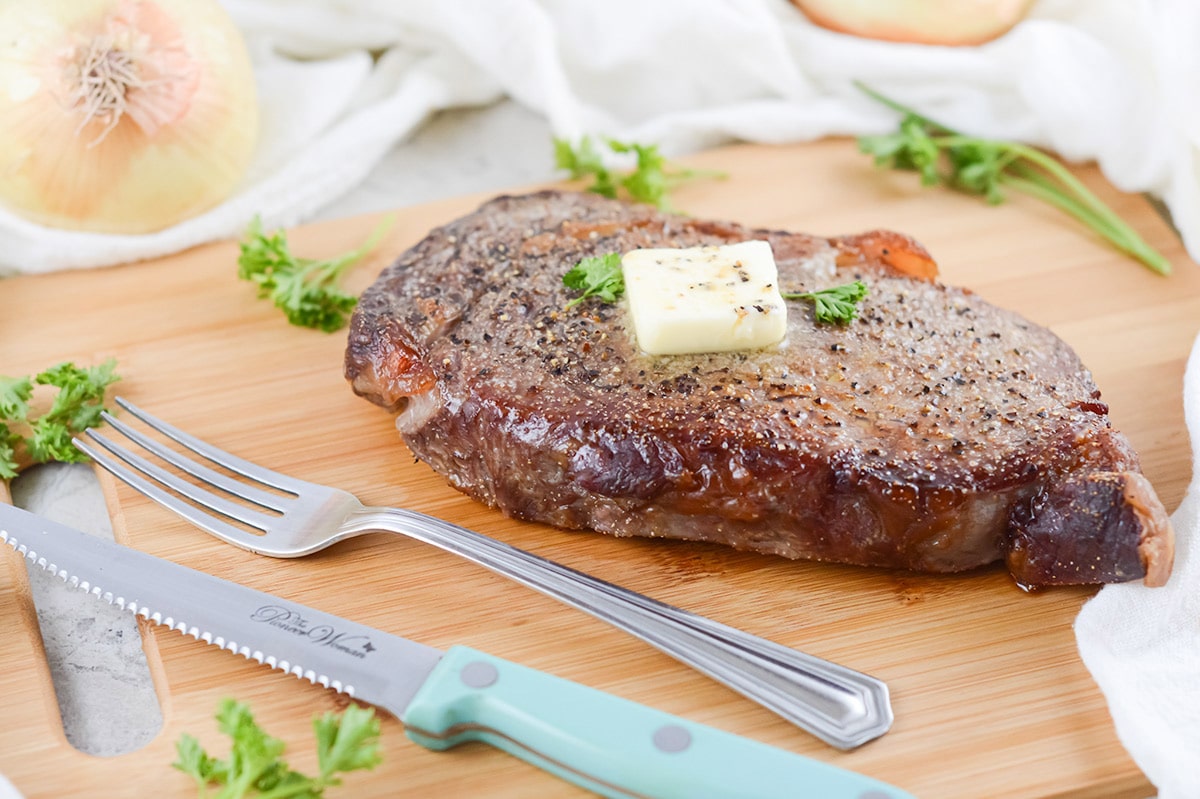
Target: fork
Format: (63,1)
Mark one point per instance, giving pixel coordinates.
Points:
(843,707)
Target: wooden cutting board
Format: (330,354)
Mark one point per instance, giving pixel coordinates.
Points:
(989,693)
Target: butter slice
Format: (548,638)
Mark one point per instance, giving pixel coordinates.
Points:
(705,299)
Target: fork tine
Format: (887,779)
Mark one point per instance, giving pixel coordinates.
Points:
(205,521)
(235,487)
(190,490)
(217,456)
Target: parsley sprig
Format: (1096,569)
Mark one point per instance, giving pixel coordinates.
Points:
(345,742)
(650,181)
(47,437)
(836,305)
(305,289)
(985,167)
(597,276)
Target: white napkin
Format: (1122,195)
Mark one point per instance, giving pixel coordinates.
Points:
(7,791)
(1142,646)
(1108,80)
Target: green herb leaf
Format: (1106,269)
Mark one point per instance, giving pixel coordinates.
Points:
(15,393)
(255,768)
(983,167)
(349,742)
(78,403)
(836,304)
(76,406)
(911,147)
(8,453)
(192,760)
(596,276)
(306,290)
(583,160)
(51,441)
(649,181)
(254,762)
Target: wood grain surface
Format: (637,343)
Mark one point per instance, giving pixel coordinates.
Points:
(989,693)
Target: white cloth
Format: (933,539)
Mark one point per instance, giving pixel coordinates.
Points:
(1109,80)
(1142,645)
(7,791)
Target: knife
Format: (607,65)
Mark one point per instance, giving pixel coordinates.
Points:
(608,745)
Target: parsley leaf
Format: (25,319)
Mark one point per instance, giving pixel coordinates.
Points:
(8,453)
(81,393)
(582,160)
(596,276)
(15,393)
(306,290)
(51,441)
(349,742)
(985,167)
(76,406)
(836,304)
(649,181)
(255,768)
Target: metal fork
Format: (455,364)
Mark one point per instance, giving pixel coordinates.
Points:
(841,706)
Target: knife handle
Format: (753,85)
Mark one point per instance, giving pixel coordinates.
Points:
(609,745)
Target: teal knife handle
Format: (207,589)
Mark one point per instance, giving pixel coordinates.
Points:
(609,745)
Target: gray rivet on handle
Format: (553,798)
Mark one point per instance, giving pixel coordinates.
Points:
(479,674)
(672,738)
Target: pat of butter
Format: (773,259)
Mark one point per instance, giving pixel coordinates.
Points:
(705,299)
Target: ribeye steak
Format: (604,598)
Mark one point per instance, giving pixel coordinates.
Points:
(936,432)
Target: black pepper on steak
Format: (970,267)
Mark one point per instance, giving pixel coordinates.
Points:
(936,432)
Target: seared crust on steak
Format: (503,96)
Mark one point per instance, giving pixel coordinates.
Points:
(936,432)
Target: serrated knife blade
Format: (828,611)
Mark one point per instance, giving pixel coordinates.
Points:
(325,649)
(601,742)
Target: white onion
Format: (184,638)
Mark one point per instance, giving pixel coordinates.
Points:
(121,116)
(946,22)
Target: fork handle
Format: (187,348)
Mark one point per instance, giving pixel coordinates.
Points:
(841,706)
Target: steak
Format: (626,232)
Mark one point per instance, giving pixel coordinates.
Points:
(936,432)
